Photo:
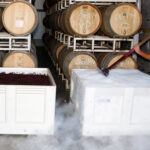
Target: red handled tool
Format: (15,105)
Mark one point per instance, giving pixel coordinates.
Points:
(106,70)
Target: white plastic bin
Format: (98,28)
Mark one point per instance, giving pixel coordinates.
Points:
(115,105)
(27,109)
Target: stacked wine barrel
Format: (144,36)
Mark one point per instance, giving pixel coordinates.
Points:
(85,19)
(82,19)
(19,18)
(121,20)
(67,58)
(105,60)
(19,59)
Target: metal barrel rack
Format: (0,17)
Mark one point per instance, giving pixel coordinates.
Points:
(93,43)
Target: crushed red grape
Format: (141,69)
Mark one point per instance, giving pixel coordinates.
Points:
(24,79)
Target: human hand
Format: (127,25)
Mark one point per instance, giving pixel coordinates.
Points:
(137,48)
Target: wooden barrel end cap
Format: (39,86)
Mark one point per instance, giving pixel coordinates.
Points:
(19,60)
(82,61)
(85,19)
(19,18)
(125,20)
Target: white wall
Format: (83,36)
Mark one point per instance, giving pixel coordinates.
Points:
(37,34)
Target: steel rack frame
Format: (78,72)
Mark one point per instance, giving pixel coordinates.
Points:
(93,43)
(17,43)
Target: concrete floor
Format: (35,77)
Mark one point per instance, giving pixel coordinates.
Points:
(67,136)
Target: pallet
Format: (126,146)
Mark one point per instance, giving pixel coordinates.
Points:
(93,43)
(17,43)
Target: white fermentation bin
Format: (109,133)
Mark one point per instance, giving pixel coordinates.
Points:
(27,109)
(115,105)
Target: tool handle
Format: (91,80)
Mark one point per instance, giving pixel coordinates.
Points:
(145,40)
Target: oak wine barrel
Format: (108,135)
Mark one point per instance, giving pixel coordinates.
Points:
(1,23)
(20,18)
(46,21)
(107,59)
(82,19)
(20,59)
(121,20)
(51,21)
(49,3)
(53,46)
(56,50)
(47,39)
(68,60)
